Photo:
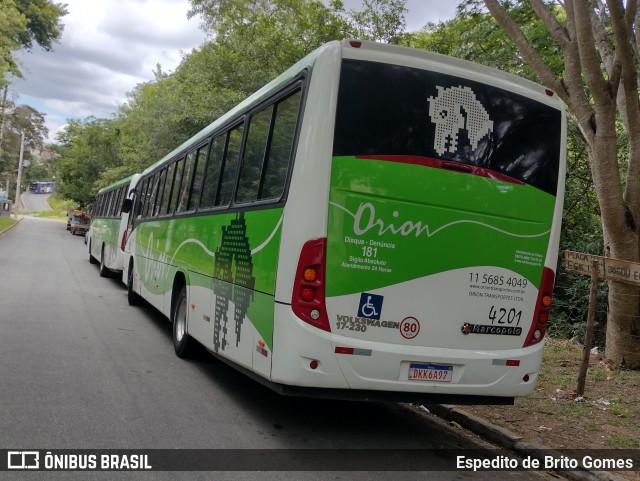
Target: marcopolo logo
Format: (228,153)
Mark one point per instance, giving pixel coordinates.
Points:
(468,328)
(23,460)
(370,306)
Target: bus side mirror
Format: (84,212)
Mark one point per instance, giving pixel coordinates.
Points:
(126,205)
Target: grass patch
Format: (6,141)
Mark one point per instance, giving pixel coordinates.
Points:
(59,207)
(53,214)
(591,427)
(60,204)
(5,223)
(619,441)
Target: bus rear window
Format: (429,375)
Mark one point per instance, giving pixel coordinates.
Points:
(395,110)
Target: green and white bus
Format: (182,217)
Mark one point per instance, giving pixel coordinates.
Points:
(107,235)
(376,223)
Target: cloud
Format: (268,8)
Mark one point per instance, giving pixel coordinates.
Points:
(424,11)
(107,48)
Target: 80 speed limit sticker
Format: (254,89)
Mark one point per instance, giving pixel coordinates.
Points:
(409,327)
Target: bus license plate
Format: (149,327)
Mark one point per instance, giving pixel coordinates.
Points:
(430,372)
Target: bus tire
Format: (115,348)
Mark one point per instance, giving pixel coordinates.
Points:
(133,298)
(104,271)
(92,260)
(183,344)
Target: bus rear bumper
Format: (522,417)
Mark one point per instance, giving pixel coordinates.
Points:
(349,364)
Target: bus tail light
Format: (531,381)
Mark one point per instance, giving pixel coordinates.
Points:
(543,306)
(307,300)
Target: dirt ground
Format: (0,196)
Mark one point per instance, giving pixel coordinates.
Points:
(606,417)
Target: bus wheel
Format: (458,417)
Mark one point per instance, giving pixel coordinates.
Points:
(183,344)
(104,271)
(92,259)
(133,298)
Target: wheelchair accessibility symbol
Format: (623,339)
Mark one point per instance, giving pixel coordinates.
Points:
(370,306)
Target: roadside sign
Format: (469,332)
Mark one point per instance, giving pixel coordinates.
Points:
(581,263)
(608,268)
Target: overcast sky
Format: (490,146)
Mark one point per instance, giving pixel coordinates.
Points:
(109,46)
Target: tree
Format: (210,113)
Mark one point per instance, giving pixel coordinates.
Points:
(87,149)
(153,122)
(23,22)
(12,23)
(43,23)
(246,32)
(21,118)
(380,20)
(25,118)
(599,84)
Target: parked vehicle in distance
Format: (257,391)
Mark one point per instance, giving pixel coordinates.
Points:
(377,222)
(78,222)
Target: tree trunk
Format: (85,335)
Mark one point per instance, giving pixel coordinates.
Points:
(623,329)
(622,348)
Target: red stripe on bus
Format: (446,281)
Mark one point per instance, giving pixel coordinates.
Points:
(443,164)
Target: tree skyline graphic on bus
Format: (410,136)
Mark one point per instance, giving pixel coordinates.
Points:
(232,280)
(455,109)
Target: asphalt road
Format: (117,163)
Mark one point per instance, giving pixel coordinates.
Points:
(35,202)
(80,369)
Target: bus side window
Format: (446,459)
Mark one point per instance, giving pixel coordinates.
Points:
(212,174)
(151,195)
(168,187)
(187,178)
(278,159)
(133,195)
(117,202)
(196,189)
(176,186)
(105,204)
(141,198)
(123,196)
(107,212)
(230,166)
(160,193)
(112,201)
(253,156)
(117,205)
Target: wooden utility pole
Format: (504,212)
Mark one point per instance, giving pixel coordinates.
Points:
(16,208)
(4,102)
